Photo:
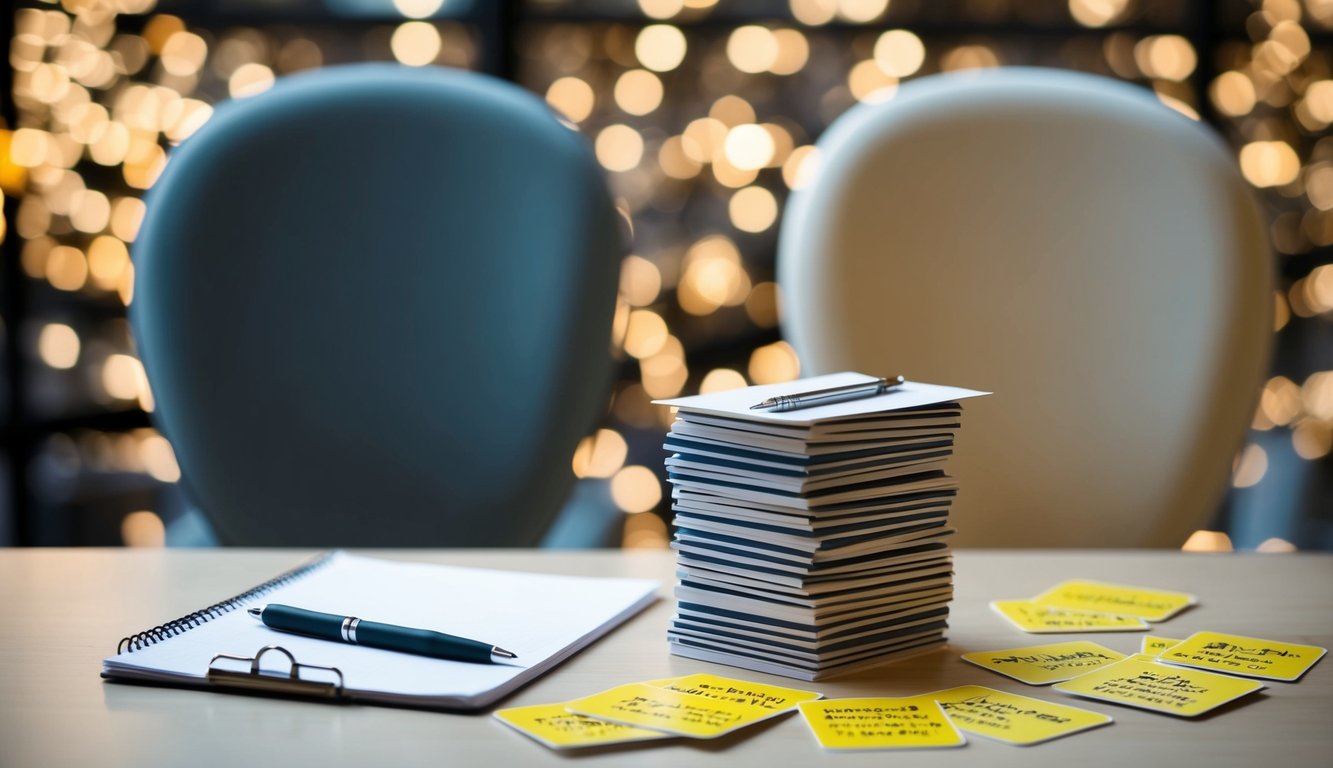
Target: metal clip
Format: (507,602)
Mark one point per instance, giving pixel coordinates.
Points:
(292,683)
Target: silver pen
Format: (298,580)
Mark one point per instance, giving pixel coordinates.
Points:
(830,395)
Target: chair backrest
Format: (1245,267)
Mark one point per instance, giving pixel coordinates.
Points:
(374,305)
(1066,241)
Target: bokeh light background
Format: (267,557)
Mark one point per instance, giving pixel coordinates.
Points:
(703,113)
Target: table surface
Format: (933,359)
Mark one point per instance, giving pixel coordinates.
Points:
(65,610)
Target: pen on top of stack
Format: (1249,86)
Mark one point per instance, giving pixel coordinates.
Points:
(812,523)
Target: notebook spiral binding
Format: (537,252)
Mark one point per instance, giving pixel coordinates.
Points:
(203,616)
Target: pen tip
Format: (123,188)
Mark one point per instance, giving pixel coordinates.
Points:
(256,612)
(503,654)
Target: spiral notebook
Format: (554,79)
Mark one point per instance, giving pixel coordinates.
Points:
(542,618)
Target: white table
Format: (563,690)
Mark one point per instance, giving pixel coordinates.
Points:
(64,610)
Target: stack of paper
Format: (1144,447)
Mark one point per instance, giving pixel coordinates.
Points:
(812,542)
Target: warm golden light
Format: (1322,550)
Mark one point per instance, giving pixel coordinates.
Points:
(89,211)
(252,79)
(752,49)
(572,98)
(418,9)
(183,54)
(1169,57)
(416,43)
(1250,467)
(619,147)
(645,334)
(862,11)
(636,489)
(774,363)
(749,147)
(721,380)
(66,268)
(600,455)
(1096,13)
(801,166)
(644,530)
(122,377)
(1269,163)
(660,47)
(813,13)
(1319,100)
(869,83)
(640,281)
(966,57)
(159,460)
(126,216)
(899,53)
(793,52)
(107,259)
(143,529)
(753,209)
(731,110)
(58,346)
(660,9)
(1207,541)
(1311,439)
(638,92)
(676,161)
(1233,94)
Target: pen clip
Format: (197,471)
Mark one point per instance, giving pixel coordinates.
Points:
(256,679)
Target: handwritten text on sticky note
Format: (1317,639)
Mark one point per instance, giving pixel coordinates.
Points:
(1248,656)
(880,724)
(1139,681)
(556,728)
(1042,664)
(1154,644)
(1147,604)
(771,697)
(662,709)
(1012,718)
(1046,619)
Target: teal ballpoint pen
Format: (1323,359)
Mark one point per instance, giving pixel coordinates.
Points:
(373,634)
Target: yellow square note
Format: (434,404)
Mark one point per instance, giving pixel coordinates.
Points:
(661,709)
(879,723)
(1147,604)
(1248,656)
(1139,681)
(558,729)
(1011,718)
(1043,664)
(1047,619)
(1153,644)
(770,697)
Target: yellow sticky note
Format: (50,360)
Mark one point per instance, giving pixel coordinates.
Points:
(1011,718)
(558,729)
(1139,681)
(770,697)
(880,723)
(1248,656)
(661,709)
(1147,604)
(1045,619)
(1153,645)
(1043,664)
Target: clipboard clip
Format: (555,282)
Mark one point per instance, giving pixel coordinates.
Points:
(256,679)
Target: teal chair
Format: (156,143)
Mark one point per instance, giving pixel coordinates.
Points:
(374,305)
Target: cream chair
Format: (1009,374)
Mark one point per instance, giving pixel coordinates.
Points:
(1068,242)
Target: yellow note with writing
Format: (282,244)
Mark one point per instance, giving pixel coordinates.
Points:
(1043,664)
(1147,604)
(1248,656)
(1153,644)
(662,709)
(771,697)
(1011,718)
(551,725)
(879,723)
(1047,619)
(1139,681)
